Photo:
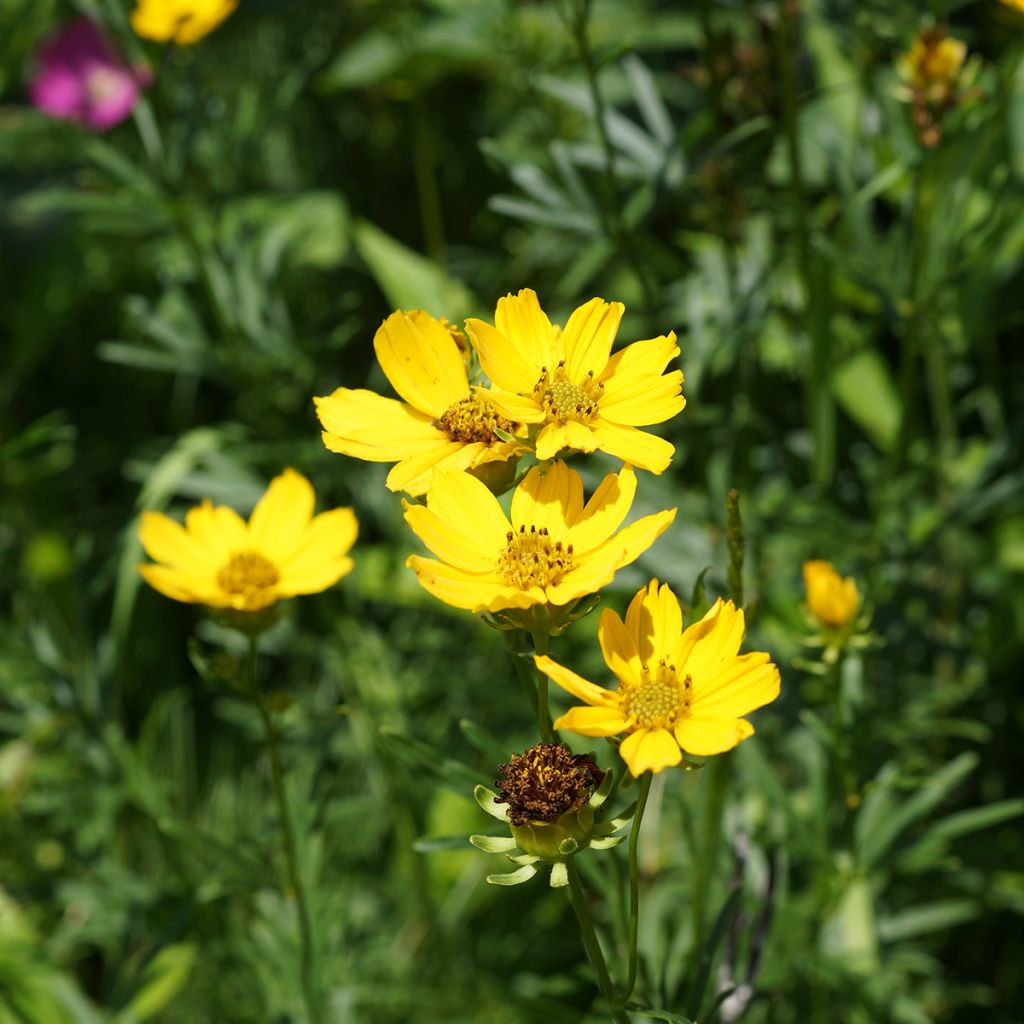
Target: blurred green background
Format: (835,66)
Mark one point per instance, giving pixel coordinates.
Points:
(847,299)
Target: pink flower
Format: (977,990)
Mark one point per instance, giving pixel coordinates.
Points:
(82,78)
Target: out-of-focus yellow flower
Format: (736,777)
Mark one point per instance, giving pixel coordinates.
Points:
(678,690)
(554,551)
(832,600)
(220,560)
(442,423)
(1017,5)
(179,21)
(567,381)
(933,63)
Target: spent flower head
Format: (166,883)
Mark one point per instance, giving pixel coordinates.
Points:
(554,550)
(678,690)
(566,384)
(936,80)
(220,560)
(442,423)
(547,796)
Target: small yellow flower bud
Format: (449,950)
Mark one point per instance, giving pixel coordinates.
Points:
(832,600)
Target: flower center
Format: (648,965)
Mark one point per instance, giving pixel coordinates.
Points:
(473,419)
(532,559)
(546,781)
(102,83)
(249,573)
(563,400)
(659,699)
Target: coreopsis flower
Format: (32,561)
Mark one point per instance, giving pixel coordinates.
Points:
(220,560)
(547,796)
(566,383)
(1017,5)
(182,22)
(831,599)
(81,78)
(678,690)
(443,423)
(555,549)
(934,73)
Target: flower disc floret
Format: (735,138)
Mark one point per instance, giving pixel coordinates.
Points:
(473,419)
(677,689)
(220,560)
(555,549)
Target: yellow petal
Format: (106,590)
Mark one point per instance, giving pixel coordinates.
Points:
(458,547)
(221,530)
(368,426)
(650,750)
(736,688)
(505,365)
(518,408)
(323,547)
(588,337)
(618,647)
(651,401)
(593,721)
(166,541)
(183,586)
(717,645)
(413,474)
(475,593)
(556,436)
(459,499)
(639,361)
(420,358)
(278,523)
(706,736)
(525,324)
(604,513)
(312,579)
(574,684)
(584,579)
(629,544)
(549,496)
(654,622)
(633,446)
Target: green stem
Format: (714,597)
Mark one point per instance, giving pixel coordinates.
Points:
(578,899)
(818,395)
(540,646)
(523,673)
(290,846)
(634,887)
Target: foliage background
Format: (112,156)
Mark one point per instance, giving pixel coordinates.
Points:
(176,291)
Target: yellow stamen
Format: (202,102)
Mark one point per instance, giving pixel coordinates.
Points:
(472,419)
(563,400)
(532,559)
(250,574)
(659,699)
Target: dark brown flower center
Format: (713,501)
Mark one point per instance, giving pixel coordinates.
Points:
(473,419)
(545,782)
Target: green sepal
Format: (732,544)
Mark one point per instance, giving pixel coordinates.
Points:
(598,797)
(559,876)
(523,858)
(567,847)
(607,843)
(524,874)
(493,844)
(488,801)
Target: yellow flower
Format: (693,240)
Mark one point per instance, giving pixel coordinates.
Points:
(179,21)
(554,550)
(1017,5)
(442,423)
(830,598)
(567,381)
(677,690)
(933,63)
(218,559)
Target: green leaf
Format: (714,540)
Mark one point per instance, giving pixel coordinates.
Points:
(437,844)
(409,280)
(163,978)
(864,389)
(671,1018)
(927,918)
